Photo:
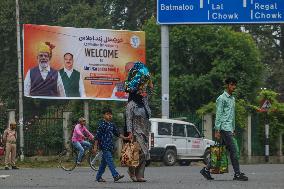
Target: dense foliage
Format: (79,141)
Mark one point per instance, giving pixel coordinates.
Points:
(200,56)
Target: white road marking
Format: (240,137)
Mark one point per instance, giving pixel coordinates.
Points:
(4,176)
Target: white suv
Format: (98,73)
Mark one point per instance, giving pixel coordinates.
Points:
(174,141)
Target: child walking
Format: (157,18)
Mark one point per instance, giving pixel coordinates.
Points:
(103,140)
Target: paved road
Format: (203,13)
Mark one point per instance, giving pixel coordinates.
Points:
(260,177)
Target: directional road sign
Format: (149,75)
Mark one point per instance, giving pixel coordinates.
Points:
(220,11)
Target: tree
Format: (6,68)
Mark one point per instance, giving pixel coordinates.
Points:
(200,59)
(274,117)
(131,15)
(270,42)
(96,16)
(8,54)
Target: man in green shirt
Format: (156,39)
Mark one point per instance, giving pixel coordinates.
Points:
(71,78)
(225,128)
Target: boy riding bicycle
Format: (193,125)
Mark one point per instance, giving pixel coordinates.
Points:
(79,136)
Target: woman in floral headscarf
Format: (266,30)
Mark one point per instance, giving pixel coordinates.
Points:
(138,114)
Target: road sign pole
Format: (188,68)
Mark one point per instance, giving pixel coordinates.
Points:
(266,138)
(165,70)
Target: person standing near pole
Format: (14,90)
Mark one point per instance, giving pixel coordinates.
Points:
(10,141)
(225,128)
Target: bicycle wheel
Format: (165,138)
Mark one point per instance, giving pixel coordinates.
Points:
(67,159)
(95,160)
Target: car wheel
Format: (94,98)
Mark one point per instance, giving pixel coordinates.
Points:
(206,156)
(184,162)
(169,158)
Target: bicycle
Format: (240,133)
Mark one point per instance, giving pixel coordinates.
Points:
(68,158)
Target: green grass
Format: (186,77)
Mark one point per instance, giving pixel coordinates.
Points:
(37,164)
(52,162)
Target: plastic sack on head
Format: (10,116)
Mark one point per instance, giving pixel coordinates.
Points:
(138,78)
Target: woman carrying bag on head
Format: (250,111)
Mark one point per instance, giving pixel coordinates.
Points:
(137,116)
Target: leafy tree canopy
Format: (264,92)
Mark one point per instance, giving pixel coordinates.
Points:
(201,57)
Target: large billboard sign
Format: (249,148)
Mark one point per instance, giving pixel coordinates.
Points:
(79,63)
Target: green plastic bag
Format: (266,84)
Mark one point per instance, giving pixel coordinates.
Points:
(219,159)
(235,141)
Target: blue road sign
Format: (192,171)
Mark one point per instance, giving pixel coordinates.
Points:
(220,11)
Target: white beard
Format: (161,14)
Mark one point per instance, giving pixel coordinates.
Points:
(44,64)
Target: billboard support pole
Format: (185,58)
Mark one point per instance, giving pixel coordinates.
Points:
(20,83)
(86,112)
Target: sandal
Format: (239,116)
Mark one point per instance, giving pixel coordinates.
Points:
(132,177)
(140,180)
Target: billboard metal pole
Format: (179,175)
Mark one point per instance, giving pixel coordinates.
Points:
(20,81)
(86,112)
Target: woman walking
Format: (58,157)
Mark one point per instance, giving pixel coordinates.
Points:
(137,116)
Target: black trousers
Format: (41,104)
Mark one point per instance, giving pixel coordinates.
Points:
(227,140)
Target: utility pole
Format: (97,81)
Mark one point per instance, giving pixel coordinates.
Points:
(20,83)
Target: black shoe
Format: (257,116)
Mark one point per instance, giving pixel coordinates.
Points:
(6,168)
(240,177)
(118,177)
(15,167)
(206,174)
(101,180)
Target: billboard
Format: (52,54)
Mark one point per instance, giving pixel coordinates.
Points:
(79,63)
